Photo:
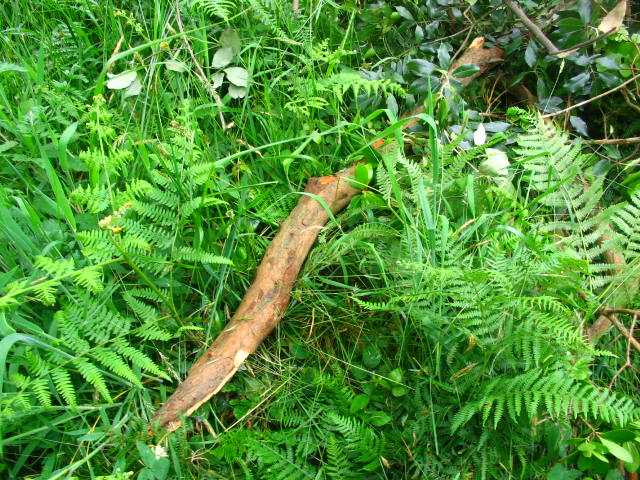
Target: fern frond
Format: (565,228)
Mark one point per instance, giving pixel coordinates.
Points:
(95,199)
(341,83)
(197,255)
(215,8)
(114,363)
(559,393)
(138,358)
(93,375)
(64,386)
(54,267)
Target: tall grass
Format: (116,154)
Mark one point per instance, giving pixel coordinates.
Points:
(132,220)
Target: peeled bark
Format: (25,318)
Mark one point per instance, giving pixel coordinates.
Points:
(264,302)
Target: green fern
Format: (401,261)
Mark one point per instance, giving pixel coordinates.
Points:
(557,393)
(266,11)
(215,8)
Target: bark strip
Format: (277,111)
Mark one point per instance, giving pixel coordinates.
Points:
(264,302)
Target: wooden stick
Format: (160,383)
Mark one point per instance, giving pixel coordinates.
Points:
(264,302)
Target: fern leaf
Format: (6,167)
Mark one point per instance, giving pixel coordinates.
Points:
(64,386)
(94,376)
(215,8)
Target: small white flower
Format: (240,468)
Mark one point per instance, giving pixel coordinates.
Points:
(159,452)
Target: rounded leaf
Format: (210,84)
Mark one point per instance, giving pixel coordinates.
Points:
(230,39)
(238,76)
(176,66)
(496,164)
(237,92)
(222,57)
(121,80)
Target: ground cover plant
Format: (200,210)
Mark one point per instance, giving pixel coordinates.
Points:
(470,314)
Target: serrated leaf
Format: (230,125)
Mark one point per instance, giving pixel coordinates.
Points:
(237,92)
(176,66)
(222,57)
(122,80)
(238,76)
(230,39)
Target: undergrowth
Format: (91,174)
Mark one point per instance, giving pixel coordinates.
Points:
(438,329)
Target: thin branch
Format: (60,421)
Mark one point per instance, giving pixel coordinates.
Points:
(610,313)
(627,363)
(533,28)
(544,40)
(603,94)
(616,141)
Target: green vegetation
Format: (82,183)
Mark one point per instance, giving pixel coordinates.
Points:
(439,328)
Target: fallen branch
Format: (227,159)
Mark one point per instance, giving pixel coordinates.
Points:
(264,302)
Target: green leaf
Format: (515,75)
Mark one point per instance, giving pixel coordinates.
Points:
(64,140)
(146,454)
(421,67)
(443,55)
(237,92)
(531,54)
(238,76)
(377,419)
(404,13)
(11,67)
(371,356)
(560,472)
(363,175)
(399,391)
(122,80)
(465,70)
(395,375)
(632,466)
(176,66)
(222,57)
(359,402)
(580,125)
(617,451)
(160,468)
(620,435)
(230,39)
(8,145)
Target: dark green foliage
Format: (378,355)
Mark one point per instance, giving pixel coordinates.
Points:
(438,327)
